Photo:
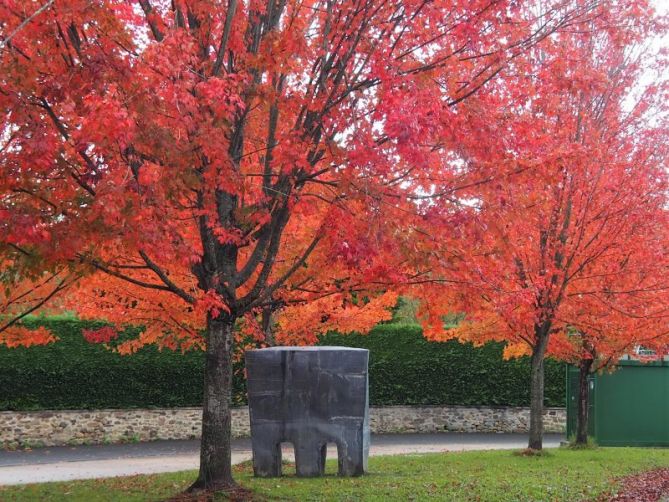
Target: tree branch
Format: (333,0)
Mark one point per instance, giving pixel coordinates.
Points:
(163,277)
(5,42)
(220,54)
(148,12)
(61,285)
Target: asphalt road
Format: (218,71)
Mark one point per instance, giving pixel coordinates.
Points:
(98,461)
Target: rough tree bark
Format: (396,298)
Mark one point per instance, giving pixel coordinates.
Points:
(537,387)
(267,324)
(583,400)
(215,451)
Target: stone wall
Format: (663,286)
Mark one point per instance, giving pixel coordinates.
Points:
(461,419)
(70,427)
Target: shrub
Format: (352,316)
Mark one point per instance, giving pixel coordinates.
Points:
(404,369)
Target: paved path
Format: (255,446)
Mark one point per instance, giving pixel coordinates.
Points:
(83,462)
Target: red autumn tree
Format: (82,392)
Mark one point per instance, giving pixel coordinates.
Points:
(181,146)
(570,229)
(196,155)
(619,309)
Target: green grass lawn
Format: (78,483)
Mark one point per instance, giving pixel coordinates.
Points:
(562,475)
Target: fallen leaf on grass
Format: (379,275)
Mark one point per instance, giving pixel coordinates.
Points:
(650,486)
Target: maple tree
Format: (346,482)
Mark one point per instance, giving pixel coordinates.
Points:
(618,314)
(202,163)
(573,240)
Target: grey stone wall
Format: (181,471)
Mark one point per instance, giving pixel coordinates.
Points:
(70,427)
(461,419)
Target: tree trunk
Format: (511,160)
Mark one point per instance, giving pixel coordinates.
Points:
(267,322)
(215,449)
(583,401)
(537,389)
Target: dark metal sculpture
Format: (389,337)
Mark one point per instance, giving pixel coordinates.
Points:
(308,396)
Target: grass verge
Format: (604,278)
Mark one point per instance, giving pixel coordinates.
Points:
(564,475)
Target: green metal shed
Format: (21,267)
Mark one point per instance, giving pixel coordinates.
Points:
(629,407)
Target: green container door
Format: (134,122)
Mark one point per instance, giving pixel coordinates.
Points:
(630,407)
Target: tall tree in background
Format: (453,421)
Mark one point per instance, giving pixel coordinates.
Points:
(620,309)
(573,230)
(196,155)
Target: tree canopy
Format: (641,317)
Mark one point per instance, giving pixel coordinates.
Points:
(191,165)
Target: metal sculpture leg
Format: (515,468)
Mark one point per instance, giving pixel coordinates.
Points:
(266,458)
(310,458)
(351,454)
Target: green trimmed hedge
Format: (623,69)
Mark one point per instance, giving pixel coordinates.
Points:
(404,369)
(74,374)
